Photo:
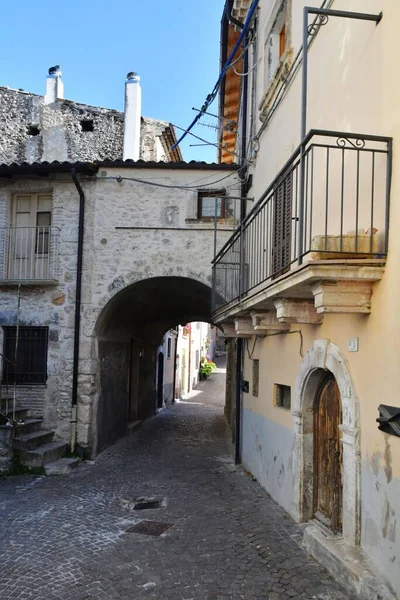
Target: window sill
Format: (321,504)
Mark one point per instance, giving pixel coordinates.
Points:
(28,282)
(209,222)
(277,80)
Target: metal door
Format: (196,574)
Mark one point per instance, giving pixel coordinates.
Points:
(328,455)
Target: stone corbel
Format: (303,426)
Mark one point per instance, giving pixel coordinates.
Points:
(229,330)
(244,327)
(343,297)
(265,322)
(296,311)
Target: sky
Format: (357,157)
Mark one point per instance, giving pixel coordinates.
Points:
(172,44)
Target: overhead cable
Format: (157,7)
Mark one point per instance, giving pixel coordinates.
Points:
(119,179)
(211,97)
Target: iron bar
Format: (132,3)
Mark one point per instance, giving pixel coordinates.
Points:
(372,202)
(345,14)
(342,202)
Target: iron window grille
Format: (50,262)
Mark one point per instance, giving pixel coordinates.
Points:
(31,364)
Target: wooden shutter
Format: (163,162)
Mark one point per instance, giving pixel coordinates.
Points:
(281,254)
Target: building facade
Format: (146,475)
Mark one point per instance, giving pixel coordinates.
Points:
(309,280)
(100,257)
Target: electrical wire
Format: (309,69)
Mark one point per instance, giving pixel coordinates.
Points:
(211,97)
(164,185)
(250,70)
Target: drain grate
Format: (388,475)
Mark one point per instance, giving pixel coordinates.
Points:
(154,528)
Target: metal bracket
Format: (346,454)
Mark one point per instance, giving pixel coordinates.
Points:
(389,419)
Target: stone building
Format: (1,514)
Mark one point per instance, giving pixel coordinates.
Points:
(99,258)
(310,280)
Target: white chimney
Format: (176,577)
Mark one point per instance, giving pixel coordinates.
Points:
(133,110)
(54,86)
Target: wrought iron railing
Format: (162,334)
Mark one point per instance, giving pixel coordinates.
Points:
(330,200)
(29,253)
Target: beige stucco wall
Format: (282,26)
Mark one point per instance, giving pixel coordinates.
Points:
(352,87)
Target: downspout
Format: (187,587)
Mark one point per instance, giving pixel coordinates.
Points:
(78,295)
(243,210)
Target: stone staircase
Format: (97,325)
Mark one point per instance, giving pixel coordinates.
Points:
(35,446)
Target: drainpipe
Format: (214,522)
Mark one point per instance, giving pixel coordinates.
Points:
(78,295)
(243,210)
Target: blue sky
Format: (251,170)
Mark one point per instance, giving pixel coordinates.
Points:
(172,44)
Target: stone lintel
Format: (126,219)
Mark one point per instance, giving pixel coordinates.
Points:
(296,311)
(266,321)
(342,296)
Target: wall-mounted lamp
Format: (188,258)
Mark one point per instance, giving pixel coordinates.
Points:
(389,419)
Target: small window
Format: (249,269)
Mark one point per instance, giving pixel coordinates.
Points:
(197,359)
(33,130)
(169,347)
(282,396)
(211,204)
(87,125)
(31,363)
(282,41)
(256,371)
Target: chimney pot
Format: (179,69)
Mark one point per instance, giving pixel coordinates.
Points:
(54,85)
(133,115)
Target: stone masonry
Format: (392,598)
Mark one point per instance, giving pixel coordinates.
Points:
(66,539)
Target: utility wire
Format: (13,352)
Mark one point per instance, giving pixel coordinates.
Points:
(211,97)
(164,185)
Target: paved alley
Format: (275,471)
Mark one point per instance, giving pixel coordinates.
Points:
(66,538)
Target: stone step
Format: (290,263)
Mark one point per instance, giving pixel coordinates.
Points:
(20,413)
(29,441)
(62,466)
(43,454)
(29,424)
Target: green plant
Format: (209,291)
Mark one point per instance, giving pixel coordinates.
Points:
(207,367)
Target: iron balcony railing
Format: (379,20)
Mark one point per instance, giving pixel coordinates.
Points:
(330,200)
(29,253)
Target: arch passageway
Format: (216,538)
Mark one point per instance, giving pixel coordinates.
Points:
(128,332)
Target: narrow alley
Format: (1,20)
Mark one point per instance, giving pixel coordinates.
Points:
(66,537)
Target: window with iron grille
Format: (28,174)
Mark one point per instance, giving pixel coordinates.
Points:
(210,204)
(256,371)
(169,347)
(282,396)
(31,363)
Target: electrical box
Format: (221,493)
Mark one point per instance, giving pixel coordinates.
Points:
(353,344)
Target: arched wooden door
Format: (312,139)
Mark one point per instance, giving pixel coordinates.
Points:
(328,486)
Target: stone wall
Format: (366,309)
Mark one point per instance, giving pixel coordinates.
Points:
(114,258)
(32,131)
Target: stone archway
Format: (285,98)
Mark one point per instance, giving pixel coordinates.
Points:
(324,356)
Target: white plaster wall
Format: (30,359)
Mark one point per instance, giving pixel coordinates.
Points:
(267,453)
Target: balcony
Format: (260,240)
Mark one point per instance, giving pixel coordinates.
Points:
(28,255)
(317,238)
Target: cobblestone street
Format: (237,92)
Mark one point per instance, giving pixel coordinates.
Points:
(65,537)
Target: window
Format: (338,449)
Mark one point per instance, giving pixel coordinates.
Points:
(29,241)
(256,371)
(207,202)
(33,130)
(282,41)
(282,396)
(197,365)
(87,125)
(282,232)
(169,347)
(31,364)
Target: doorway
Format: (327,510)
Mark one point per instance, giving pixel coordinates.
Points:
(328,481)
(160,380)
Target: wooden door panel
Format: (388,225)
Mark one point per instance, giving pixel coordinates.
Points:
(328,455)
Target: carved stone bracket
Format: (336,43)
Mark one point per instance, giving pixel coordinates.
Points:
(266,321)
(244,327)
(343,296)
(229,330)
(296,311)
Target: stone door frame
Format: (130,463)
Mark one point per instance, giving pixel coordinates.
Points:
(325,356)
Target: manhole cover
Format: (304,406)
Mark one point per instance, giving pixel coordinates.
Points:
(149,528)
(147,503)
